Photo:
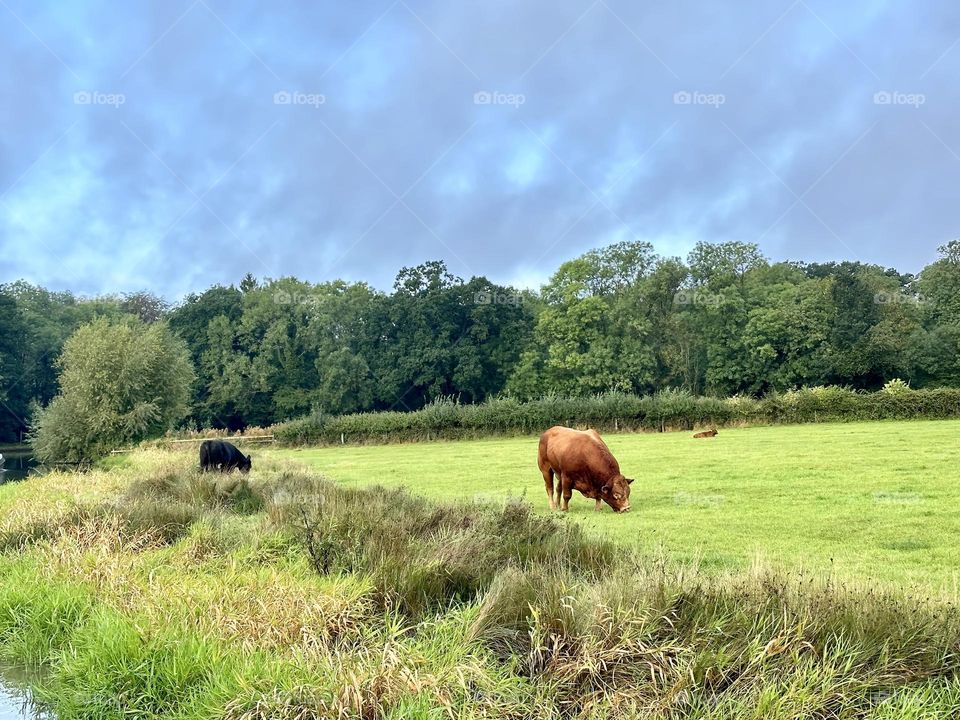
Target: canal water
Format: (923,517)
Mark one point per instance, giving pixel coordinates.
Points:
(16,466)
(16,701)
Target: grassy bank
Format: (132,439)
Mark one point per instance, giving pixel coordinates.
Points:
(150,591)
(866,500)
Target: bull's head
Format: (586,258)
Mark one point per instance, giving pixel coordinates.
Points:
(616,493)
(245,465)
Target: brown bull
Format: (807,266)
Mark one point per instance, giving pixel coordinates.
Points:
(581,461)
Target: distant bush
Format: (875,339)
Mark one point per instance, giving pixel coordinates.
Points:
(896,386)
(667,410)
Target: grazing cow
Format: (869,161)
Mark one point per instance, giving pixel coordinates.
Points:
(222,456)
(581,461)
(706,433)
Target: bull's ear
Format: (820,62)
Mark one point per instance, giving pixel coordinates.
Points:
(629,481)
(605,489)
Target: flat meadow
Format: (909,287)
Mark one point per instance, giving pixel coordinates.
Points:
(874,500)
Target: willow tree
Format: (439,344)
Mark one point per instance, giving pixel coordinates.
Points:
(120,382)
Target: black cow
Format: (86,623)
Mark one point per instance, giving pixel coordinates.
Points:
(223,457)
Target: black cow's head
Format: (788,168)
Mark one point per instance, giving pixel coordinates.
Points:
(245,465)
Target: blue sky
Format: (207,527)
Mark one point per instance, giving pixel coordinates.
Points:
(172,145)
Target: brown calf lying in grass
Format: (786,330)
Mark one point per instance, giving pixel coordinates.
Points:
(706,433)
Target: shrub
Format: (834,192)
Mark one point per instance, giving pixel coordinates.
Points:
(896,387)
(665,410)
(421,554)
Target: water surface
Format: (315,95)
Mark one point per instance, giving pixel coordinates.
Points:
(16,700)
(16,465)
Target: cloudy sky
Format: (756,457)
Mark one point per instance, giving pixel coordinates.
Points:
(176,144)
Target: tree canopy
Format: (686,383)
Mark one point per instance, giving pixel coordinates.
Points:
(725,320)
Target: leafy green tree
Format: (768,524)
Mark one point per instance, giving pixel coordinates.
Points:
(274,334)
(592,334)
(45,320)
(145,306)
(248,283)
(722,264)
(191,320)
(616,318)
(935,356)
(14,392)
(120,382)
(939,287)
(344,327)
(717,306)
(786,336)
(438,336)
(873,316)
(230,391)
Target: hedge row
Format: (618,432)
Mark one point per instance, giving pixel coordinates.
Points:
(667,410)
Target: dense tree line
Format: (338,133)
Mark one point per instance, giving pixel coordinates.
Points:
(723,322)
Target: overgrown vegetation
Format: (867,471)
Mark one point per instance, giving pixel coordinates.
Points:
(667,410)
(422,611)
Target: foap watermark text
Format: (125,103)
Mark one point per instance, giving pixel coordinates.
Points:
(895,97)
(497,298)
(290,97)
(95,97)
(691,297)
(487,97)
(282,297)
(695,97)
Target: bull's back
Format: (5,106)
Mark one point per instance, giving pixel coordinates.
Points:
(213,452)
(573,451)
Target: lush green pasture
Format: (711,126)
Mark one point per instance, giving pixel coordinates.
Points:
(877,500)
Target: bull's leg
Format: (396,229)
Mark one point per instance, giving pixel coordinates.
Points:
(548,482)
(597,506)
(567,489)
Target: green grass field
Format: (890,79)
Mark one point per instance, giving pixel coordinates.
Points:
(864,500)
